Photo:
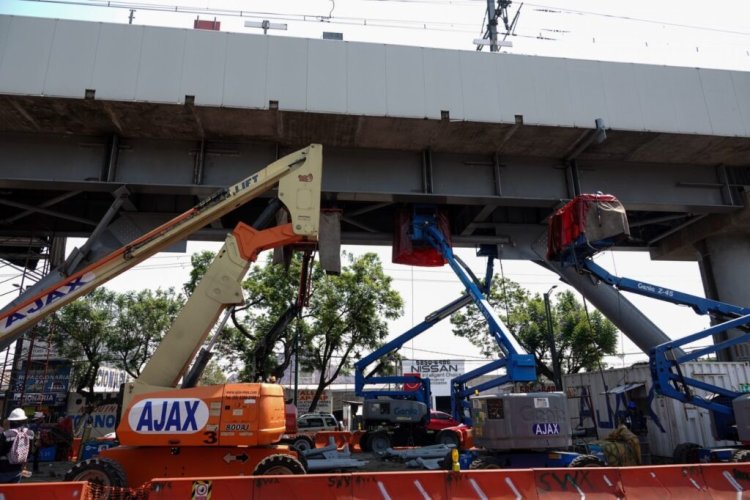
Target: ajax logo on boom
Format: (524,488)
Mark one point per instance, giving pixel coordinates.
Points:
(168,416)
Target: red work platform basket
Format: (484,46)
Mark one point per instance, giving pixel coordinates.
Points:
(417,253)
(586,225)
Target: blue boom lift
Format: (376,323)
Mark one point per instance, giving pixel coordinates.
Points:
(400,417)
(591,223)
(514,430)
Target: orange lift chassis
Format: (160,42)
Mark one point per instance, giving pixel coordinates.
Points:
(214,430)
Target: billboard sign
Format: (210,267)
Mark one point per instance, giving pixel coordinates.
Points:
(110,379)
(305,397)
(439,371)
(54,377)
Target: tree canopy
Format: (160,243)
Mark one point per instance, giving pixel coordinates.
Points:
(343,315)
(110,328)
(582,339)
(81,331)
(347,315)
(141,320)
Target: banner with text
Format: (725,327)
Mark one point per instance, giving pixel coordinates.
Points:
(305,397)
(439,371)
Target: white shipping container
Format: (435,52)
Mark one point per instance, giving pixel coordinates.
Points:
(681,422)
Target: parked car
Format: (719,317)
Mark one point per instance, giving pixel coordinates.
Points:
(316,422)
(440,420)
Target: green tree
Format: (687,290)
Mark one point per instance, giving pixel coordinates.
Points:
(586,338)
(200,262)
(267,325)
(212,375)
(141,320)
(81,331)
(347,315)
(581,340)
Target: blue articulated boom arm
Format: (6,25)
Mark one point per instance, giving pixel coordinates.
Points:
(665,360)
(518,364)
(423,393)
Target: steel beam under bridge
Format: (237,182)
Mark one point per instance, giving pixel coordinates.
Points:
(489,197)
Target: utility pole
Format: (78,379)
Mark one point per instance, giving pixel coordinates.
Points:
(556,375)
(492,25)
(493,14)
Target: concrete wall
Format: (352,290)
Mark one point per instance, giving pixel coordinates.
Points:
(63,58)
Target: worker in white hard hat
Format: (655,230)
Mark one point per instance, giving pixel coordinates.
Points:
(15,443)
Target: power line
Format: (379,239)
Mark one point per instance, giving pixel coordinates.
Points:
(556,9)
(638,19)
(305,18)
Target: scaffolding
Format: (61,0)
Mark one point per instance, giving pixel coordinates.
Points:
(19,271)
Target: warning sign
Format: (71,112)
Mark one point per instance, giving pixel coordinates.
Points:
(201,490)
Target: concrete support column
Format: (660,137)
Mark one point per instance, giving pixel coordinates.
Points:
(725,268)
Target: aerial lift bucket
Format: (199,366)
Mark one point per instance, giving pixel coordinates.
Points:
(414,252)
(584,226)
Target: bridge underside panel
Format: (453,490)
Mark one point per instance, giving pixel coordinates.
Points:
(63,184)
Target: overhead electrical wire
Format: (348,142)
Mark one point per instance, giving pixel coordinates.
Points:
(640,20)
(413,25)
(558,9)
(316,18)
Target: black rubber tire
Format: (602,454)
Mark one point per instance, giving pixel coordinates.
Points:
(100,471)
(379,442)
(686,453)
(279,465)
(482,463)
(302,443)
(741,456)
(448,438)
(585,461)
(364,442)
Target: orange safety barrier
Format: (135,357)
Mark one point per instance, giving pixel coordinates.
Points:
(341,438)
(731,480)
(51,491)
(660,482)
(588,482)
(202,489)
(508,483)
(707,481)
(399,485)
(317,486)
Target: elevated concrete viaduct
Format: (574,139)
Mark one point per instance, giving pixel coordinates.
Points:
(132,125)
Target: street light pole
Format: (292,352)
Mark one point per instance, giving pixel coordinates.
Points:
(557,378)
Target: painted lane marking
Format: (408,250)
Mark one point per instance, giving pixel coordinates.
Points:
(513,488)
(737,486)
(383,491)
(425,496)
(478,490)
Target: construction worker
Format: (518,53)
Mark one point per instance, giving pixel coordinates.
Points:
(15,444)
(36,426)
(634,419)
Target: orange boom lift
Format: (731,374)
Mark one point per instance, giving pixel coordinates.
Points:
(216,430)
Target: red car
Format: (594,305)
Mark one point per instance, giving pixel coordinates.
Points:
(440,420)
